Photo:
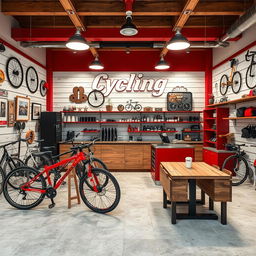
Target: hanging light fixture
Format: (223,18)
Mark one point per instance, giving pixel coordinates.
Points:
(178,42)
(2,47)
(96,64)
(128,28)
(77,42)
(162,64)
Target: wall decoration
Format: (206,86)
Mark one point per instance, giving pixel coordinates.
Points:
(135,83)
(3,93)
(32,79)
(11,113)
(3,112)
(22,108)
(78,95)
(14,72)
(120,107)
(2,76)
(179,101)
(133,105)
(43,88)
(36,111)
(96,98)
(250,77)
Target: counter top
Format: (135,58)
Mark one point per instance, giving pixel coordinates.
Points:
(113,142)
(172,146)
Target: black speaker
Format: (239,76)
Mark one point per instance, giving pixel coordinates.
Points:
(179,101)
(51,130)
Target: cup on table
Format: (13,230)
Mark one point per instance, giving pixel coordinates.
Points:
(188,162)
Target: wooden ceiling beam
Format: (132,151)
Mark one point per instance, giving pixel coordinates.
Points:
(116,8)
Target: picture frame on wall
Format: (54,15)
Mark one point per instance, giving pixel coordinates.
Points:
(3,112)
(22,108)
(36,111)
(11,113)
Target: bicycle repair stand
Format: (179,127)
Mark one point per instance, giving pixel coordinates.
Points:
(77,196)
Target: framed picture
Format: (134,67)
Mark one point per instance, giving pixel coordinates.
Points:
(22,108)
(3,112)
(11,113)
(36,111)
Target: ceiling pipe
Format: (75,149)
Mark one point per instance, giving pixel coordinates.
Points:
(241,24)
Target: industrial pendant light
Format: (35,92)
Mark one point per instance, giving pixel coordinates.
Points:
(96,64)
(77,42)
(178,42)
(128,28)
(2,47)
(162,64)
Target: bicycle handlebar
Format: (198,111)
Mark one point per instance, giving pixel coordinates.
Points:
(82,146)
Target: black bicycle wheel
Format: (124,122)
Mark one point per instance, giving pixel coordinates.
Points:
(236,82)
(128,107)
(19,198)
(2,176)
(250,77)
(239,168)
(81,167)
(107,197)
(14,72)
(43,89)
(32,79)
(224,84)
(12,164)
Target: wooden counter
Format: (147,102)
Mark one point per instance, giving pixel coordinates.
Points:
(126,155)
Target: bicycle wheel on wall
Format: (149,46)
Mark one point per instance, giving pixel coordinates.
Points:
(224,84)
(236,82)
(239,168)
(250,77)
(106,198)
(21,199)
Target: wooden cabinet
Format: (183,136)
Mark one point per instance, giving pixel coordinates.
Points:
(133,155)
(147,156)
(198,152)
(113,156)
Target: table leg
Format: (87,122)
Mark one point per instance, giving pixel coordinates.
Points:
(173,212)
(224,213)
(211,204)
(202,197)
(164,199)
(192,198)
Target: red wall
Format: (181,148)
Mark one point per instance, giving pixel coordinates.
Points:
(135,61)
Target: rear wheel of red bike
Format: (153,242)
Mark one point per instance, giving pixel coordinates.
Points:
(97,195)
(19,198)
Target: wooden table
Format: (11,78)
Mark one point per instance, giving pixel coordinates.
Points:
(176,178)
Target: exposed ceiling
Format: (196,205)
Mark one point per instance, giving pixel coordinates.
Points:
(202,19)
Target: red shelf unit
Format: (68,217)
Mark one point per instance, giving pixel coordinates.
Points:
(151,131)
(91,131)
(132,112)
(215,125)
(131,122)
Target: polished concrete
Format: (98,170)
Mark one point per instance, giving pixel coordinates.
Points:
(139,226)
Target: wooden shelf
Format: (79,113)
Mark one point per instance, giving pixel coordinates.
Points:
(245,99)
(133,122)
(238,118)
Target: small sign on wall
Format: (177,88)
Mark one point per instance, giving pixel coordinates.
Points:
(3,112)
(3,93)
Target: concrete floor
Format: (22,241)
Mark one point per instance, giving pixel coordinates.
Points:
(139,226)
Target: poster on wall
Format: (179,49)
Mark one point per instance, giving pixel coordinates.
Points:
(36,111)
(3,112)
(22,108)
(11,113)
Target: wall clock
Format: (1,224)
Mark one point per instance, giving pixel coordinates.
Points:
(14,72)
(96,98)
(2,76)
(43,89)
(32,79)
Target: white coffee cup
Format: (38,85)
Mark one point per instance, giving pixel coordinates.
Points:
(188,162)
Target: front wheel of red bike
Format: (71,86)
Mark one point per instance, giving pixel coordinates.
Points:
(19,198)
(98,196)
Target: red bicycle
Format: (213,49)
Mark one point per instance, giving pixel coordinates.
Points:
(26,187)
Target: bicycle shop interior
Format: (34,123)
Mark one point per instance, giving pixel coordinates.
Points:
(127,127)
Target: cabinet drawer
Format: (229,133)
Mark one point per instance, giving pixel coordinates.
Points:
(113,156)
(210,157)
(165,182)
(133,155)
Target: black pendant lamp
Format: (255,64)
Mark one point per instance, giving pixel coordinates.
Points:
(77,42)
(162,64)
(128,28)
(178,42)
(96,64)
(2,47)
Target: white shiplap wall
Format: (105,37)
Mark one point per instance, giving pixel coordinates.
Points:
(235,127)
(65,81)
(8,134)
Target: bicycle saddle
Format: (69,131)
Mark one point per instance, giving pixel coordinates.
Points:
(44,153)
(49,148)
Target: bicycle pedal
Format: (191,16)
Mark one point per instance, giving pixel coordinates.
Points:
(51,205)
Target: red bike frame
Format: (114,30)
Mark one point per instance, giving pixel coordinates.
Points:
(76,160)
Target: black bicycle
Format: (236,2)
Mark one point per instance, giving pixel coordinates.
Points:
(238,165)
(250,77)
